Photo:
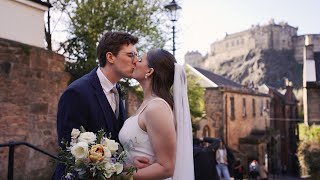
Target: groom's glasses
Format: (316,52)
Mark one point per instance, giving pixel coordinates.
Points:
(132,55)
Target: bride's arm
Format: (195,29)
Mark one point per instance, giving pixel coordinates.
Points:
(158,121)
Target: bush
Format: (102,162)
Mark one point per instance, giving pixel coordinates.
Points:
(309,151)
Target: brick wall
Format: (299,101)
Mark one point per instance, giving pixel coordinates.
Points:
(31,82)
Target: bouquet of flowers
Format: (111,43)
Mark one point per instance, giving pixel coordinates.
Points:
(92,156)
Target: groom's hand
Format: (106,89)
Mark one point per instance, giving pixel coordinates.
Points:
(141,162)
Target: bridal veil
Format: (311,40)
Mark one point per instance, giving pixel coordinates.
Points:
(184,157)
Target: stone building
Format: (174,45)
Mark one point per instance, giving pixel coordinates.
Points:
(284,126)
(311,83)
(279,36)
(234,113)
(194,58)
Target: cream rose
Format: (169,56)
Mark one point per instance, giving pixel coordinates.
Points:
(112,145)
(80,150)
(75,133)
(107,152)
(88,137)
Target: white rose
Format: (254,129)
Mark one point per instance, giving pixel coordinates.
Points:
(75,133)
(80,150)
(110,169)
(111,144)
(119,167)
(88,137)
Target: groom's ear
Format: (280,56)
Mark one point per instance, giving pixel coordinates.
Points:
(109,57)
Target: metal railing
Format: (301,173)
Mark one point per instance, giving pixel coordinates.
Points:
(11,146)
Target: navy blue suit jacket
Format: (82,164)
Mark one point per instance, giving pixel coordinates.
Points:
(84,104)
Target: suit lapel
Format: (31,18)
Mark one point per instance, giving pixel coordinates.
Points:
(102,99)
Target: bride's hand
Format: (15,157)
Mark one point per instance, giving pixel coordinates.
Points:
(140,162)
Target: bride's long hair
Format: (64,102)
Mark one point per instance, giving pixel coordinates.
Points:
(162,62)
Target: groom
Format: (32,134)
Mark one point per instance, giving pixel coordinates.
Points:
(92,100)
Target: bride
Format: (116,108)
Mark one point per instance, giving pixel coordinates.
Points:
(161,128)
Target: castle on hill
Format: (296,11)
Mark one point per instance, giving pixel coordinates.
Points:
(281,36)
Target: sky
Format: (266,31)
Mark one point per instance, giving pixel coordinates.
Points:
(202,22)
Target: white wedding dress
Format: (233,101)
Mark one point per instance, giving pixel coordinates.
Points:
(137,141)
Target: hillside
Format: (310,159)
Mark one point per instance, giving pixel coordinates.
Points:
(260,66)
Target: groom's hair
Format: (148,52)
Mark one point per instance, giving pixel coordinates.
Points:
(162,62)
(112,42)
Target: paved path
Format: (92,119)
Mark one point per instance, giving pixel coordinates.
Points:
(271,177)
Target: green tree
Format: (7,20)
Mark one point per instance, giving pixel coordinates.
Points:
(88,20)
(196,100)
(309,150)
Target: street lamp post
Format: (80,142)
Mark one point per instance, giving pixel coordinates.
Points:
(172,8)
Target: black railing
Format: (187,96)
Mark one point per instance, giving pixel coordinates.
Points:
(11,146)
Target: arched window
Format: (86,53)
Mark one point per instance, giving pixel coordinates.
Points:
(206,131)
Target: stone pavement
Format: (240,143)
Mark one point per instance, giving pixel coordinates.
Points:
(279,177)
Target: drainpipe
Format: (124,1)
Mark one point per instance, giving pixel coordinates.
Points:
(226,119)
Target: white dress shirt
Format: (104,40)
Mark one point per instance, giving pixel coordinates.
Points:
(107,87)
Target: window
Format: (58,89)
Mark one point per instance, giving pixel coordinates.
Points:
(261,108)
(232,108)
(244,108)
(267,104)
(206,131)
(253,107)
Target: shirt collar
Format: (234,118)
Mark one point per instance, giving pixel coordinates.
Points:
(104,81)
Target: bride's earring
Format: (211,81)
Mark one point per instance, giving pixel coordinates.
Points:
(146,76)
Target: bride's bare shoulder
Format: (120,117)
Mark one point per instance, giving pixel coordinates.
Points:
(158,104)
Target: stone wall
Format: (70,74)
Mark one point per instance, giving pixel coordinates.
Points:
(214,113)
(31,82)
(314,105)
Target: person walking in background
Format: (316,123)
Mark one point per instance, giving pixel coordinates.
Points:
(238,170)
(253,169)
(222,162)
(263,172)
(204,162)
